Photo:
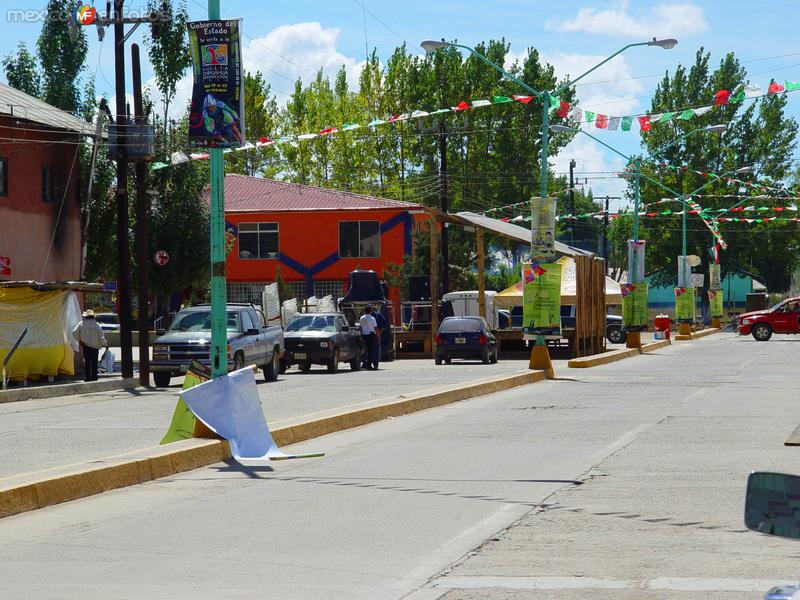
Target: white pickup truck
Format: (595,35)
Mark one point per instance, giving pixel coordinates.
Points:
(250,342)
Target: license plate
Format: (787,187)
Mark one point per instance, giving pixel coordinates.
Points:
(461,340)
(184,368)
(300,355)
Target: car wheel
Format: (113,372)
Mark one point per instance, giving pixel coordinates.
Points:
(238,361)
(273,368)
(615,335)
(355,362)
(485,356)
(762,332)
(448,361)
(333,362)
(494,356)
(438,361)
(161,379)
(305,366)
(284,367)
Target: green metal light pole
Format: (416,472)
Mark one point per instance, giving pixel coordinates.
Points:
(219,335)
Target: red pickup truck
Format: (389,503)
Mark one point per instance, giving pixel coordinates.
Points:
(784,317)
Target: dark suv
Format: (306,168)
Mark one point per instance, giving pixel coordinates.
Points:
(322,339)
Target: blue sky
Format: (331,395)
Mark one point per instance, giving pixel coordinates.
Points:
(289,39)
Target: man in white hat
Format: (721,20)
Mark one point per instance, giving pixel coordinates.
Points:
(91,338)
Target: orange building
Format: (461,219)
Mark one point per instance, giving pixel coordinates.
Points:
(316,236)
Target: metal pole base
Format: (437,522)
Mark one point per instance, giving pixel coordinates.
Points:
(685,329)
(634,340)
(540,361)
(715,323)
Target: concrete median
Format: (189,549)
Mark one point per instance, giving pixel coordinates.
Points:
(605,358)
(30,491)
(67,389)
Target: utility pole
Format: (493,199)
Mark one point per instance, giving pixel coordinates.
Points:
(571,207)
(142,217)
(443,204)
(123,250)
(605,227)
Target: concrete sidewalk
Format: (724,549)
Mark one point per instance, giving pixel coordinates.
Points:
(662,517)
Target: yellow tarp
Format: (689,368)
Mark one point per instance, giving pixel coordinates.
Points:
(512,296)
(47,348)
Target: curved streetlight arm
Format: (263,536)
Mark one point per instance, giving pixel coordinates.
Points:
(569,84)
(599,141)
(497,68)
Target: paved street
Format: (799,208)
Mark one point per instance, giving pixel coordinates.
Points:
(624,481)
(40,434)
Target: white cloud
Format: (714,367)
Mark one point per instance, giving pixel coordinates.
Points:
(669,19)
(308,46)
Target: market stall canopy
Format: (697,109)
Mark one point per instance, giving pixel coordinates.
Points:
(514,232)
(512,296)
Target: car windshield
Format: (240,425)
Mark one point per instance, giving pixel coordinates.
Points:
(313,323)
(200,320)
(460,326)
(109,318)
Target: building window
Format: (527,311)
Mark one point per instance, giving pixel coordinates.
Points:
(47,185)
(258,240)
(359,239)
(328,288)
(3,177)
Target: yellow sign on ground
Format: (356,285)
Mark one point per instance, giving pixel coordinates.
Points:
(183,419)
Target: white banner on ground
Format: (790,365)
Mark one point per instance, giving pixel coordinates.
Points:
(230,407)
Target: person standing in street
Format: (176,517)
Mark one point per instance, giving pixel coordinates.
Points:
(381,323)
(369,329)
(91,338)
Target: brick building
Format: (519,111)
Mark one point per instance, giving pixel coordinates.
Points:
(40,223)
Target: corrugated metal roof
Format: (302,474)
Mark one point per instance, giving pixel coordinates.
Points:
(257,194)
(21,105)
(516,232)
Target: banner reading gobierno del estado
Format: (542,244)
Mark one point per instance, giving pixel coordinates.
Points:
(216,115)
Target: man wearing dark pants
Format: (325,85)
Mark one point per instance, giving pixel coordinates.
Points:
(381,323)
(91,338)
(369,328)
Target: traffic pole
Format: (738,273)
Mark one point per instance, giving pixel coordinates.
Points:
(219,300)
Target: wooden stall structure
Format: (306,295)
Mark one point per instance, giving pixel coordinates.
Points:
(590,310)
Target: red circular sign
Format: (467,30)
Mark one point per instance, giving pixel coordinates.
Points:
(161,257)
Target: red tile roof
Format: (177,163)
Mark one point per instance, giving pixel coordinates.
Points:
(257,194)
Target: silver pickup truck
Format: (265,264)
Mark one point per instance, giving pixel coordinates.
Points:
(250,341)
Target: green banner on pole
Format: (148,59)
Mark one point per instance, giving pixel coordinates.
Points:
(715,303)
(541,299)
(714,276)
(684,304)
(634,306)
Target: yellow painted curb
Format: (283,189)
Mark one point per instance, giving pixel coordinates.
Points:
(21,493)
(602,359)
(697,334)
(655,345)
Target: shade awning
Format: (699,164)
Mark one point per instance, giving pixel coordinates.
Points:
(512,296)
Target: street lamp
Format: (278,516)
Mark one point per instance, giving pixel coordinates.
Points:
(542,359)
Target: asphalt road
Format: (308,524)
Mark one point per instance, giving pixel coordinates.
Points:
(394,506)
(52,432)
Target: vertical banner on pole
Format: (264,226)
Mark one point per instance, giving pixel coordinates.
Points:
(543,225)
(635,261)
(684,304)
(216,116)
(714,277)
(715,303)
(634,306)
(684,272)
(541,299)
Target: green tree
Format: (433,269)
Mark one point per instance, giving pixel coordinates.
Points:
(169,51)
(62,58)
(758,135)
(21,71)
